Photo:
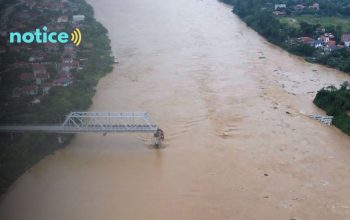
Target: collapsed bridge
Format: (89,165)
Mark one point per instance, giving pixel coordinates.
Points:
(95,122)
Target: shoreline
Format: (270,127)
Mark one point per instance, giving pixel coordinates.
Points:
(280,45)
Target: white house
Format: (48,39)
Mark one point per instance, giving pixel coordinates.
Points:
(318,43)
(346,39)
(78,18)
(280,6)
(62,19)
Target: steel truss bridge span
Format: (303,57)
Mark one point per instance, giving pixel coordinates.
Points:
(93,122)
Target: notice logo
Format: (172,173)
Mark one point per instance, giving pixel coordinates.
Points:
(42,37)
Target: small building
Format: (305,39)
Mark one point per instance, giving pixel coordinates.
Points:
(280,6)
(315,6)
(36,58)
(299,7)
(41,77)
(38,68)
(320,30)
(280,13)
(345,38)
(35,101)
(78,18)
(324,38)
(306,40)
(318,44)
(30,90)
(331,43)
(63,81)
(330,47)
(46,87)
(63,19)
(69,64)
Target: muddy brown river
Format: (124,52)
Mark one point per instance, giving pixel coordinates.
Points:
(221,93)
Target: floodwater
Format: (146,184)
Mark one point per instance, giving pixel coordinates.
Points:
(221,93)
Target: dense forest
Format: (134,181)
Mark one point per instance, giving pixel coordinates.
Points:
(18,152)
(336,102)
(258,14)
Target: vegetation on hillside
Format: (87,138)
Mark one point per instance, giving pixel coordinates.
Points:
(336,102)
(283,31)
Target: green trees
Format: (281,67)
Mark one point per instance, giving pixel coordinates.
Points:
(339,59)
(336,102)
(19,152)
(258,14)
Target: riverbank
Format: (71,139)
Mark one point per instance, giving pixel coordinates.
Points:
(336,102)
(19,152)
(324,43)
(284,34)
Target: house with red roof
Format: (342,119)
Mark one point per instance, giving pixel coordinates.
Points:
(38,68)
(69,64)
(331,46)
(63,81)
(41,77)
(306,40)
(27,77)
(46,87)
(299,7)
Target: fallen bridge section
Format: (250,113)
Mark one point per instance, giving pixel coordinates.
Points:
(324,119)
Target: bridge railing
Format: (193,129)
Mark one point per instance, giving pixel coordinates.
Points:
(82,122)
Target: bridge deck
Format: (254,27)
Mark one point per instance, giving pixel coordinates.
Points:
(90,122)
(88,129)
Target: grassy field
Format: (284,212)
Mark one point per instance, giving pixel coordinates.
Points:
(324,21)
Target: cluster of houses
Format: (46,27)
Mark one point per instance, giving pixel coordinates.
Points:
(40,79)
(34,76)
(326,42)
(280,9)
